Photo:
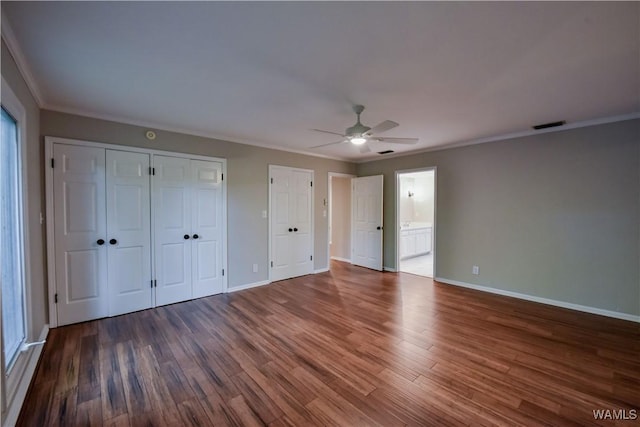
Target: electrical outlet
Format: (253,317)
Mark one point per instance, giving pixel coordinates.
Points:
(264,214)
(475,270)
(255,268)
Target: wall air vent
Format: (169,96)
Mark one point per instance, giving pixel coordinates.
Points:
(385,152)
(549,125)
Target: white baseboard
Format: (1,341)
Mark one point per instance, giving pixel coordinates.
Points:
(571,306)
(337,258)
(13,411)
(248,286)
(321,270)
(392,270)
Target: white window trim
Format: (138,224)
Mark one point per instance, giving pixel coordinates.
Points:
(14,379)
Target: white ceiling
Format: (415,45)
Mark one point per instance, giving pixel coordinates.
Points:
(265,73)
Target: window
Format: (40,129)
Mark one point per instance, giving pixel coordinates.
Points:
(11,247)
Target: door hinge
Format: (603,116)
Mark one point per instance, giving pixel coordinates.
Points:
(311,257)
(223,271)
(271,263)
(311,183)
(55,298)
(272,180)
(53,162)
(221,177)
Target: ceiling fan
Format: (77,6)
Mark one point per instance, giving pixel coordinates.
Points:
(359,134)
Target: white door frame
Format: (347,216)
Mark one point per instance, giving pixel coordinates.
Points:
(49,218)
(435,212)
(329,207)
(313,223)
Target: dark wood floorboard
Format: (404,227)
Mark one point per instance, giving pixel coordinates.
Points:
(351,347)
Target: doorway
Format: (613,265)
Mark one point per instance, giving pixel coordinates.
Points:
(415,214)
(339,247)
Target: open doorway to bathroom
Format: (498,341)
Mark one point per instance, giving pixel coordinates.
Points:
(415,213)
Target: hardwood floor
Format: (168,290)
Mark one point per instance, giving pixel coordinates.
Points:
(351,347)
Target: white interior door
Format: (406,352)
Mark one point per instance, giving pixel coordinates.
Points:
(291,222)
(366,221)
(80,233)
(302,256)
(172,228)
(207,232)
(128,232)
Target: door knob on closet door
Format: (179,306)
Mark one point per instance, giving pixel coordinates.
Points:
(186,237)
(100,242)
(379,228)
(295,229)
(113,241)
(290,230)
(195,236)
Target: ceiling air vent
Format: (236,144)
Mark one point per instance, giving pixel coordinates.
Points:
(385,152)
(549,125)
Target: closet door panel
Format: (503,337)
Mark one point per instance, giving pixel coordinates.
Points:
(172,229)
(129,232)
(207,228)
(79,224)
(301,216)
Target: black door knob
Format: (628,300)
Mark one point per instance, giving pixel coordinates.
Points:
(379,228)
(186,237)
(290,230)
(100,242)
(195,236)
(113,241)
(295,229)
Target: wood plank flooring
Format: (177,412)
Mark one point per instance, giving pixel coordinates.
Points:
(351,347)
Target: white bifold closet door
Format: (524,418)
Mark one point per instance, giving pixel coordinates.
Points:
(129,232)
(291,222)
(188,228)
(102,232)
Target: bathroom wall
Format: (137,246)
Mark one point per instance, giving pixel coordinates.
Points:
(419,207)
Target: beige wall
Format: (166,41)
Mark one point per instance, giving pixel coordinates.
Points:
(247,184)
(35,184)
(341,217)
(554,215)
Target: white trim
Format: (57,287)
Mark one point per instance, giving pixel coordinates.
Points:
(10,39)
(435,212)
(547,301)
(11,377)
(321,270)
(389,269)
(337,258)
(247,286)
(15,405)
(177,129)
(512,135)
(49,141)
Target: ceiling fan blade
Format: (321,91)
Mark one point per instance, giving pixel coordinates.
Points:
(331,143)
(326,131)
(382,127)
(409,141)
(365,149)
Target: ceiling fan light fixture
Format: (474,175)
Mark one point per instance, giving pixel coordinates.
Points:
(358,140)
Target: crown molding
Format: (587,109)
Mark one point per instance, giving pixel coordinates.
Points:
(513,135)
(10,39)
(177,129)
